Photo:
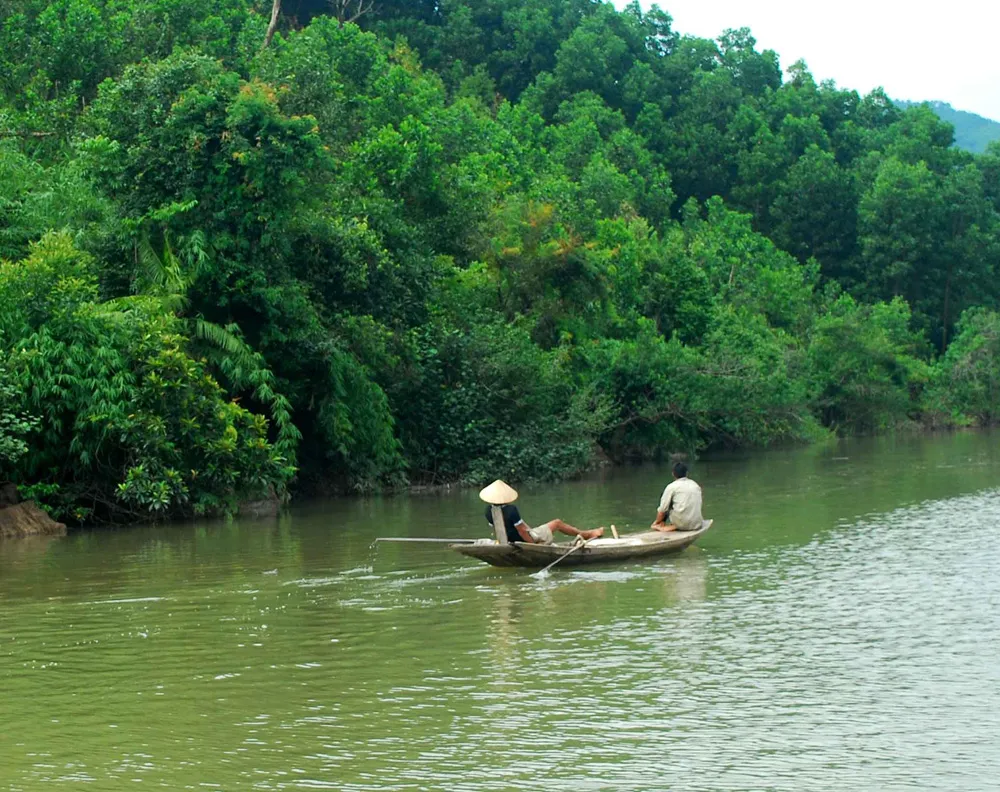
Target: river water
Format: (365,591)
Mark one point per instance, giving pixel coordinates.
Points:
(838,629)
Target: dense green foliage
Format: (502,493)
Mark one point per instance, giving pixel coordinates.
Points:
(14,425)
(131,423)
(967,386)
(972,132)
(464,240)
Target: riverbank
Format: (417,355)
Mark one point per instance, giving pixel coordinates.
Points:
(273,507)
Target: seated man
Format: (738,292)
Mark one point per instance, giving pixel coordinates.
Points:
(680,504)
(519,531)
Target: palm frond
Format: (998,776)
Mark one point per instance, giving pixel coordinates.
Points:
(160,274)
(151,273)
(176,282)
(246,369)
(226,339)
(196,253)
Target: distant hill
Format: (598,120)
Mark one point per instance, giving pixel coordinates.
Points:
(972,132)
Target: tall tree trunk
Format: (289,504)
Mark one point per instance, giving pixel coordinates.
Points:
(273,25)
(944,318)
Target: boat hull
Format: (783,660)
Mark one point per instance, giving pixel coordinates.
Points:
(597,551)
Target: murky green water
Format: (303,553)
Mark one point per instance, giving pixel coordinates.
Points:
(839,629)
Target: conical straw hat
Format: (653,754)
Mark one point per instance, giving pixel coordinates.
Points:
(498,493)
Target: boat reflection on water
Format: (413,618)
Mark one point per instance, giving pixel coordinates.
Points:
(685,580)
(527,608)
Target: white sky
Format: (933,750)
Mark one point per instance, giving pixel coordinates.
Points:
(916,50)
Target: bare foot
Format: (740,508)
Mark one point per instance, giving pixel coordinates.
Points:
(663,528)
(588,535)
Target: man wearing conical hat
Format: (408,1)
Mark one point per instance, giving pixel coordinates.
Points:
(500,494)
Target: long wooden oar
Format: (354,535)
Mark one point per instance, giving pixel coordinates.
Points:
(576,546)
(423,539)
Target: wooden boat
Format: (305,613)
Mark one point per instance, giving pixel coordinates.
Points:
(606,549)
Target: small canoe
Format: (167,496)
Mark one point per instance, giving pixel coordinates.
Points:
(596,551)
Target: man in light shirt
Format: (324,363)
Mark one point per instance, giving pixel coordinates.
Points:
(680,504)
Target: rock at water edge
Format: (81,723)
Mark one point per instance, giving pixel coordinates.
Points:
(27,519)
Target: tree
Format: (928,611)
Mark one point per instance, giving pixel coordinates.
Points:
(815,214)
(698,153)
(754,73)
(131,425)
(863,365)
(347,11)
(966,383)
(272,26)
(928,238)
(989,166)
(900,221)
(35,199)
(15,425)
